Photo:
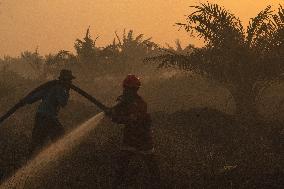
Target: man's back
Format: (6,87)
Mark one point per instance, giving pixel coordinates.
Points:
(133,113)
(54,98)
(53,95)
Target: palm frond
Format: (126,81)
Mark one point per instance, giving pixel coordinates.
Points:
(118,38)
(139,38)
(178,45)
(130,35)
(270,36)
(281,13)
(196,62)
(214,24)
(87,36)
(258,26)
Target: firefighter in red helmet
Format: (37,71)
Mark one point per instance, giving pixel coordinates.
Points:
(131,110)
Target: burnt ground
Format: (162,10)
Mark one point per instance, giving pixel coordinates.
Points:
(198,148)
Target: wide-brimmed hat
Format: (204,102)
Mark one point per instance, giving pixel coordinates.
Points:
(66,75)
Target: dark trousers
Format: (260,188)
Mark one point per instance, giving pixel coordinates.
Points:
(122,166)
(45,128)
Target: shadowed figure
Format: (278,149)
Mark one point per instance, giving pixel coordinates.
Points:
(53,97)
(131,110)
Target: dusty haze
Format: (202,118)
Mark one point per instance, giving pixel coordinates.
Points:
(54,25)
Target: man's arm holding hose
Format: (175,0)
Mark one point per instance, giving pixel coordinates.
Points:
(120,114)
(89,97)
(32,97)
(117,113)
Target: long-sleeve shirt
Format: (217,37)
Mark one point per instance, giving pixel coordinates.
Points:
(132,112)
(52,99)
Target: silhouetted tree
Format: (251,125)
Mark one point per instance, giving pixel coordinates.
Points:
(34,59)
(86,49)
(63,57)
(110,53)
(178,48)
(126,51)
(132,46)
(243,61)
(55,62)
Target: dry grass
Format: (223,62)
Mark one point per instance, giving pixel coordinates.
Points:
(197,147)
(201,148)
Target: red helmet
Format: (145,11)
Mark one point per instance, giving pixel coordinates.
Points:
(131,81)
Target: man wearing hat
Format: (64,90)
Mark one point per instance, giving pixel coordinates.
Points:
(53,97)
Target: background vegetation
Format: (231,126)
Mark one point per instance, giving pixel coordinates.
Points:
(223,101)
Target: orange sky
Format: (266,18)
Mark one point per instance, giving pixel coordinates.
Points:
(55,24)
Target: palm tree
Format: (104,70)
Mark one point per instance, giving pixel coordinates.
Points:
(62,57)
(131,45)
(86,49)
(242,60)
(127,51)
(34,59)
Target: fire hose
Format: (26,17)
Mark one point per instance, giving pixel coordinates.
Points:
(51,83)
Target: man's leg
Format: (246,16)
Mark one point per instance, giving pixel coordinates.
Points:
(122,166)
(153,167)
(56,130)
(39,134)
